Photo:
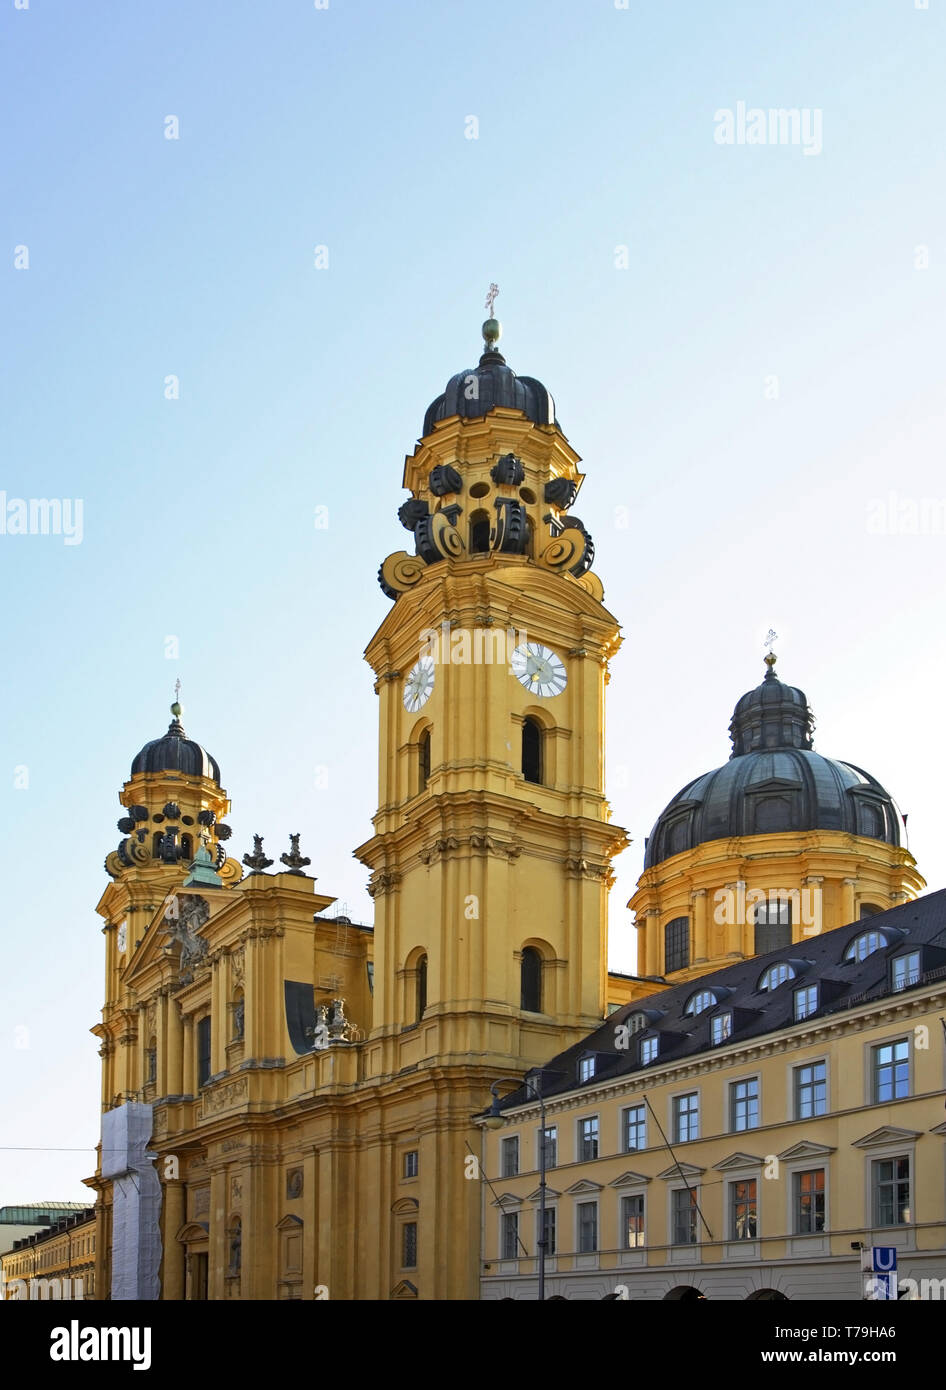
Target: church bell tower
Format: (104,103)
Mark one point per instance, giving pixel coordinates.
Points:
(491,858)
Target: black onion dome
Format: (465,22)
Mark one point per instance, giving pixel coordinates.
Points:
(773,783)
(175,752)
(496,385)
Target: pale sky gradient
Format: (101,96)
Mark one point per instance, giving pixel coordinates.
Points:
(716,512)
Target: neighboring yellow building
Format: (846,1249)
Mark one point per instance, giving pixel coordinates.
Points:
(308,1084)
(741,1135)
(57,1263)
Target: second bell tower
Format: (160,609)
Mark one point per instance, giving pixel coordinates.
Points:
(491,857)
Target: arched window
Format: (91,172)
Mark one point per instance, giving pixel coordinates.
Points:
(531,751)
(156,839)
(676,945)
(865,945)
(773,925)
(530,977)
(423,758)
(479,533)
(187,848)
(703,999)
(777,975)
(421,987)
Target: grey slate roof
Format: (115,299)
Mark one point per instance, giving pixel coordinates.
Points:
(916,926)
(774,782)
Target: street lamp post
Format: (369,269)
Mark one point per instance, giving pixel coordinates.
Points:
(495,1120)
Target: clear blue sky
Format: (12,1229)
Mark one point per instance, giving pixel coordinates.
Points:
(303,388)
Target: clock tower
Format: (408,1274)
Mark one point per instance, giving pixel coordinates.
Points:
(491,855)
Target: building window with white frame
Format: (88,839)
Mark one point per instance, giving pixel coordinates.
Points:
(683,1215)
(586,1069)
(890,1071)
(721,1028)
(509,1156)
(410,1164)
(776,975)
(905,970)
(635,1129)
(744,1104)
(686,1117)
(588,1138)
(699,1002)
(865,945)
(806,1002)
(743,1209)
(649,1048)
(587,1227)
(549,1136)
(891,1191)
(811,1090)
(808,1189)
(632,1221)
(510,1235)
(551,1229)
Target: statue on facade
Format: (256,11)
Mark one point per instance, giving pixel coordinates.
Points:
(183,918)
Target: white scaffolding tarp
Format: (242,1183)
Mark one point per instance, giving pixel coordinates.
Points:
(136,1202)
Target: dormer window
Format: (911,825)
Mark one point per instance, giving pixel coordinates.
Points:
(721,1028)
(586,1068)
(865,945)
(703,999)
(634,1023)
(649,1049)
(806,1002)
(776,975)
(905,970)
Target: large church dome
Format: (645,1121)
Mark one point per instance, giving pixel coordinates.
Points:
(774,782)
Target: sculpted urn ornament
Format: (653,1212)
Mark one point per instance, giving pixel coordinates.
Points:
(294,861)
(257,861)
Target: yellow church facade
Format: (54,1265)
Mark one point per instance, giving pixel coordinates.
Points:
(289,1097)
(305,1084)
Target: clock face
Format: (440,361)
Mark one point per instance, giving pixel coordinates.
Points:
(122,937)
(419,685)
(539,669)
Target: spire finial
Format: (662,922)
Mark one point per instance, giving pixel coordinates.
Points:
(177,708)
(770,657)
(492,328)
